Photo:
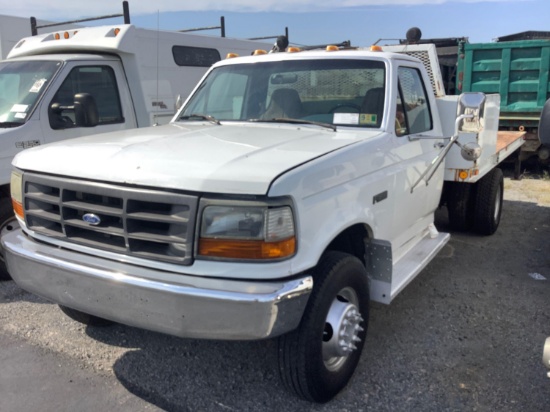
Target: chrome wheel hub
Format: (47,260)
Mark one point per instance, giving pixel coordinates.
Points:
(342,327)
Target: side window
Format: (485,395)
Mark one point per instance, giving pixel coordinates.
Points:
(100,82)
(195,56)
(413,109)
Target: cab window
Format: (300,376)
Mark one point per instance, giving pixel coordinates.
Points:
(100,83)
(413,110)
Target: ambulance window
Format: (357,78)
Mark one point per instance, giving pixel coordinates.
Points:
(100,82)
(195,56)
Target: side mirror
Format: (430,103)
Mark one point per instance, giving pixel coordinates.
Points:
(85,110)
(470,151)
(56,108)
(544,124)
(470,112)
(58,116)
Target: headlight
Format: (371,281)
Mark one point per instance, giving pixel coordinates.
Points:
(247,232)
(16,190)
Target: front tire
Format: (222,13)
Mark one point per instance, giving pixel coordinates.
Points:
(317,360)
(7,224)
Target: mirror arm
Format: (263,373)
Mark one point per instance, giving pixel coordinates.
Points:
(459,119)
(435,163)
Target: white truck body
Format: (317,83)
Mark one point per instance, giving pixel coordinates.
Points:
(240,220)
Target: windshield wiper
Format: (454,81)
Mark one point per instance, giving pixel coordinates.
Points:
(9,124)
(296,121)
(211,119)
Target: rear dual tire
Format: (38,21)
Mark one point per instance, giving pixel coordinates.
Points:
(488,202)
(478,206)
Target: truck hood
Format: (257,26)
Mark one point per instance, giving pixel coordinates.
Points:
(239,159)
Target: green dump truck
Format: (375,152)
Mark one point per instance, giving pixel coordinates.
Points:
(517,67)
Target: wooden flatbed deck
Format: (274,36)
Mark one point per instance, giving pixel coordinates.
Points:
(506,138)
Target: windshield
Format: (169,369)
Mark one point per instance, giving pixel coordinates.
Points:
(335,92)
(21,85)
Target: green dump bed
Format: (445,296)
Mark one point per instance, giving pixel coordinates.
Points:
(517,70)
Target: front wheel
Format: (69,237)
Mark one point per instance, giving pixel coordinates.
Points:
(7,224)
(317,360)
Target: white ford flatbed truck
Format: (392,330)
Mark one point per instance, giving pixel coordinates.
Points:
(290,190)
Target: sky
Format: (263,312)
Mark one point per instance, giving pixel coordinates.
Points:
(310,22)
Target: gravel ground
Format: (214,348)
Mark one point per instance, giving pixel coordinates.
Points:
(466,334)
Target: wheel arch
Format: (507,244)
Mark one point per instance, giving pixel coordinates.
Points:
(352,240)
(5,190)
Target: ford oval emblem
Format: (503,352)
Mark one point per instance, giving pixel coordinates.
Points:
(92,219)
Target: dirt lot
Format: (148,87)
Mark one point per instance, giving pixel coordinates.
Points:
(467,334)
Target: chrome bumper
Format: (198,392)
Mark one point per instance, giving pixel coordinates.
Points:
(179,305)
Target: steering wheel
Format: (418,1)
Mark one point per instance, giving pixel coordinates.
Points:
(350,105)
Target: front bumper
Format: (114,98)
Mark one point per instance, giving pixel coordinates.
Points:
(179,305)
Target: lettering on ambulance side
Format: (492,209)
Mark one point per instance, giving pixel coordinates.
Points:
(27,144)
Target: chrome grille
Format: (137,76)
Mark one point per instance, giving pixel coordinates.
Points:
(136,222)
